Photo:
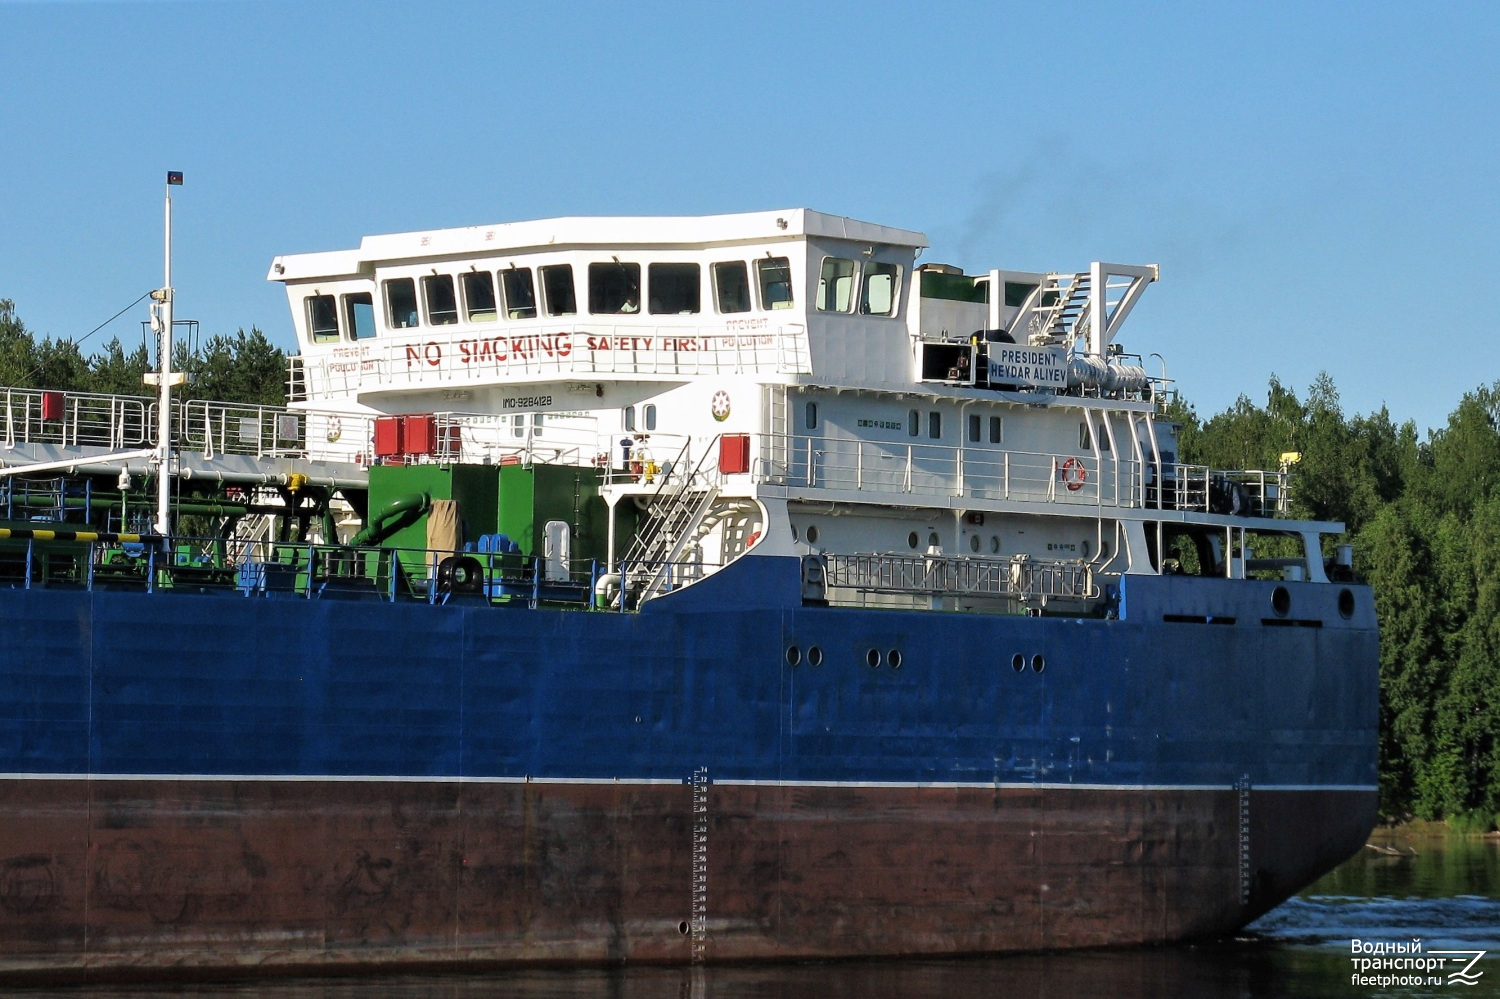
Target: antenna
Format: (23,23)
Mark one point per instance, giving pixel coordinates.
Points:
(161,324)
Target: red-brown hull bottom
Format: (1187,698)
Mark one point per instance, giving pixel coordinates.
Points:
(116,878)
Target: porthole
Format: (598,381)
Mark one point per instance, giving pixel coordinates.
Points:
(1085,548)
(812,534)
(994,544)
(794,532)
(814,656)
(793,655)
(974,543)
(1018,662)
(1038,663)
(872,658)
(911,541)
(894,658)
(1281,601)
(1346,604)
(682,928)
(932,540)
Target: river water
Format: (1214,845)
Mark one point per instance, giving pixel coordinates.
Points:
(1443,891)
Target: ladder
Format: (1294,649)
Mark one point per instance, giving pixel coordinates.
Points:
(1057,311)
(675,518)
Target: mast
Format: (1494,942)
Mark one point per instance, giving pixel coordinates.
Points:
(161,323)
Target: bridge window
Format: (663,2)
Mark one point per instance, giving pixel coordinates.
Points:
(975,423)
(322,318)
(878,297)
(401,303)
(650,415)
(775,277)
(913,423)
(442,305)
(479,296)
(996,429)
(520,293)
(359,315)
(812,416)
(676,289)
(557,289)
(630,418)
(836,285)
(935,425)
(614,288)
(732,286)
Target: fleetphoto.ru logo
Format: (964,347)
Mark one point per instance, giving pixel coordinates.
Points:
(1386,963)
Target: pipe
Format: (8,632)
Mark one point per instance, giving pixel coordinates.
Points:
(398,513)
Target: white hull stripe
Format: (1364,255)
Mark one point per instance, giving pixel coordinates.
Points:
(937,785)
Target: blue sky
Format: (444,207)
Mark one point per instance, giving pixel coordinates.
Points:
(1316,180)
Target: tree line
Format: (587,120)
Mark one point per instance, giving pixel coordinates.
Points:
(235,367)
(1423,515)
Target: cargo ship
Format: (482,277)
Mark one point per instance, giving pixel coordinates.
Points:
(661,589)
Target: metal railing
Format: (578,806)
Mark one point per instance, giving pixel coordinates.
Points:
(1021,578)
(481,355)
(932,470)
(82,419)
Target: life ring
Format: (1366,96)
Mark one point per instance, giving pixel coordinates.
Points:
(1073,474)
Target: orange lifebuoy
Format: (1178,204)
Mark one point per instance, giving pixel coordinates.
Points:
(1073,474)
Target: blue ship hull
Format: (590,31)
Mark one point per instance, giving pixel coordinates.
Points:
(222,782)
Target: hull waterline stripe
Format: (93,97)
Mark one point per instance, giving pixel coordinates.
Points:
(937,785)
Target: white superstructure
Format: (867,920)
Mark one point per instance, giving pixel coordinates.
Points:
(788,381)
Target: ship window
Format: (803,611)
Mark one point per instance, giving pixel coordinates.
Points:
(974,543)
(650,415)
(537,419)
(479,296)
(812,416)
(812,534)
(359,315)
(732,286)
(775,276)
(932,540)
(629,417)
(442,306)
(520,293)
(913,423)
(676,289)
(614,288)
(996,429)
(1103,437)
(1083,437)
(878,297)
(911,541)
(518,424)
(322,318)
(557,289)
(401,303)
(975,424)
(994,544)
(836,285)
(935,425)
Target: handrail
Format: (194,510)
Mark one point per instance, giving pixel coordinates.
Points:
(935,470)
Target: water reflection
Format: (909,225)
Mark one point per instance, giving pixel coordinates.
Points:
(1444,893)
